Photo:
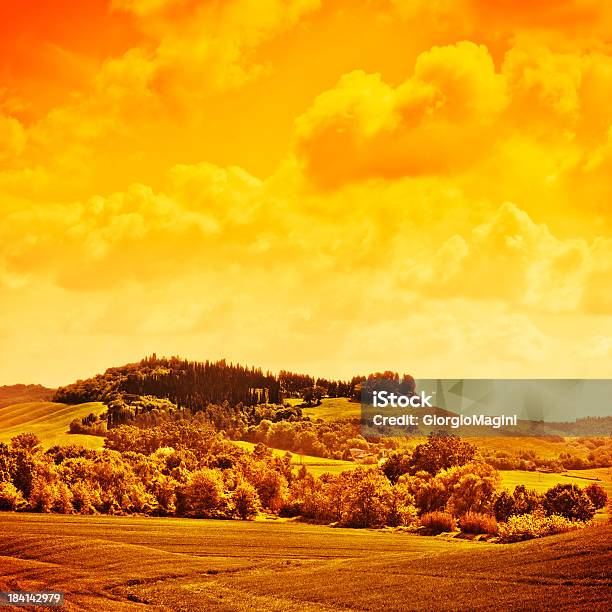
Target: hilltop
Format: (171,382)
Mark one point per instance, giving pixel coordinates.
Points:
(18,394)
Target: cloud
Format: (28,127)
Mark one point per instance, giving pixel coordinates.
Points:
(204,45)
(365,128)
(443,208)
(12,139)
(507,17)
(513,259)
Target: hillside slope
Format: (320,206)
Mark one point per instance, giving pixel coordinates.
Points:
(50,421)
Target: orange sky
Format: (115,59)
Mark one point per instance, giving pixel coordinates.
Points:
(331,186)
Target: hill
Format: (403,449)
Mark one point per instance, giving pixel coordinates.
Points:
(18,394)
(214,565)
(50,421)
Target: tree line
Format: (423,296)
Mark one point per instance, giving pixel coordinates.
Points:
(194,385)
(186,468)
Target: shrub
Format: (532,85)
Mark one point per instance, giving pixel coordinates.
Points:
(403,511)
(11,498)
(475,522)
(441,452)
(397,464)
(245,500)
(438,522)
(597,494)
(365,498)
(536,525)
(204,494)
(503,506)
(570,501)
(522,501)
(526,501)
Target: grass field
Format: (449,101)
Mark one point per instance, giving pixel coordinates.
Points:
(49,421)
(316,465)
(543,481)
(333,408)
(181,564)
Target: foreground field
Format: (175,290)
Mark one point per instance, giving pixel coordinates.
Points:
(50,421)
(112,563)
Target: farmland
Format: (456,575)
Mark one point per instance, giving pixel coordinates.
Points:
(49,421)
(179,564)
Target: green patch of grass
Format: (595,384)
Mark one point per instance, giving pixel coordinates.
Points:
(50,421)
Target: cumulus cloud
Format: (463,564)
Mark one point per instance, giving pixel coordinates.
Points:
(511,258)
(436,121)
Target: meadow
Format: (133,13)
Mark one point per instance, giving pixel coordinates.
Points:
(50,421)
(178,564)
(315,465)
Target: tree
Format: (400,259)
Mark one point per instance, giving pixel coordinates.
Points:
(526,500)
(403,511)
(312,396)
(7,463)
(397,464)
(366,498)
(440,452)
(597,494)
(569,501)
(471,487)
(245,500)
(204,494)
(503,507)
(10,497)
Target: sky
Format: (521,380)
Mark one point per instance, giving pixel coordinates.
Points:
(327,186)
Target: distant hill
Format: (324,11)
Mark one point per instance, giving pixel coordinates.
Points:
(193,384)
(18,394)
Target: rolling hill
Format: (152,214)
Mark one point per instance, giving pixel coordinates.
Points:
(18,394)
(50,421)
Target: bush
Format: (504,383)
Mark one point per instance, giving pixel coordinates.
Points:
(397,464)
(11,498)
(536,525)
(522,501)
(475,522)
(503,506)
(245,500)
(204,495)
(570,501)
(403,511)
(597,494)
(439,522)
